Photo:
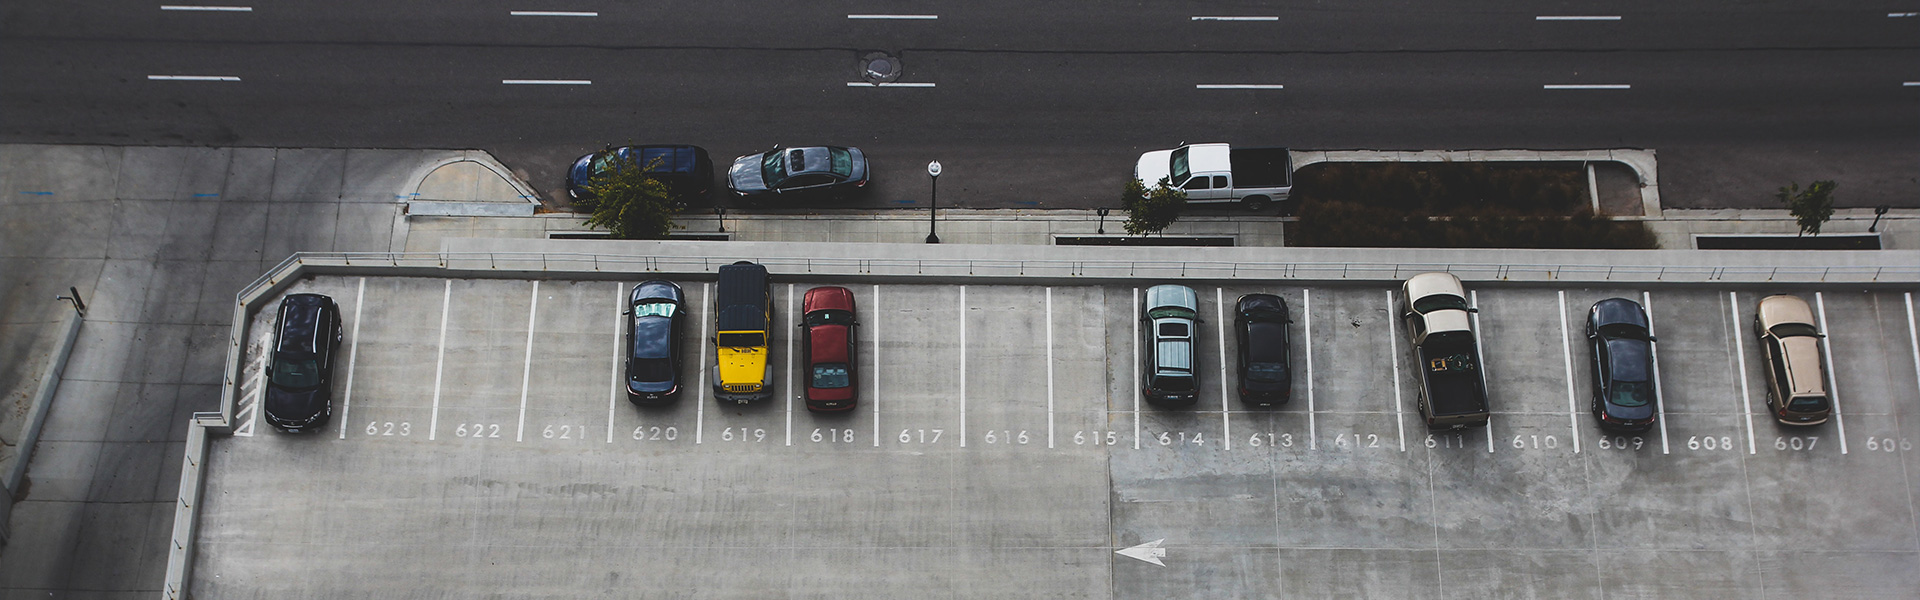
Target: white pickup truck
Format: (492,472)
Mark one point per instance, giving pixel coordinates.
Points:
(1211,173)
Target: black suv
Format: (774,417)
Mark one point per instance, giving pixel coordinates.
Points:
(300,372)
(1261,322)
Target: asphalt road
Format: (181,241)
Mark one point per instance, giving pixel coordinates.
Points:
(1031,106)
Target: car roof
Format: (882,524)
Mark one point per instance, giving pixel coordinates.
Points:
(1447,320)
(1630,359)
(1175,355)
(827,343)
(814,160)
(1803,365)
(1619,310)
(300,323)
(652,337)
(1209,156)
(1172,295)
(1428,284)
(1775,310)
(827,298)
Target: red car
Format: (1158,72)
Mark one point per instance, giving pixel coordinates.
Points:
(827,339)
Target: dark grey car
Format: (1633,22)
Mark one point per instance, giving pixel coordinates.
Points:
(798,171)
(656,330)
(1623,393)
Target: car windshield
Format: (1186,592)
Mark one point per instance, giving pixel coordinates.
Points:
(773,168)
(842,162)
(651,369)
(742,339)
(1807,403)
(1794,329)
(831,375)
(1180,169)
(1623,330)
(654,309)
(1266,372)
(604,162)
(1173,383)
(296,373)
(1439,302)
(1631,394)
(829,317)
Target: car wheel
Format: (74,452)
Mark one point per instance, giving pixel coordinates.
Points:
(1255,203)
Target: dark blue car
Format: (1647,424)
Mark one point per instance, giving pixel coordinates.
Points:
(686,170)
(1623,383)
(656,328)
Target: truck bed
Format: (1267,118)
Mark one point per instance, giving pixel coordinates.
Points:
(1454,385)
(1261,167)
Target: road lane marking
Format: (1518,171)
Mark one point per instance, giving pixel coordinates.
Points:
(1236,18)
(963,366)
(1910,84)
(700,414)
(199,8)
(192,78)
(875,400)
(1577,18)
(1740,352)
(544,81)
(1393,354)
(526,368)
(353,353)
(1587,86)
(791,318)
(1135,382)
(613,387)
(1826,350)
(1473,299)
(1220,316)
(1659,398)
(1049,366)
(1239,86)
(1566,360)
(889,84)
(440,361)
(1903,15)
(1306,316)
(551,13)
(893,17)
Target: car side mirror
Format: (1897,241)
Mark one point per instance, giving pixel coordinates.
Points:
(1472,309)
(1652,339)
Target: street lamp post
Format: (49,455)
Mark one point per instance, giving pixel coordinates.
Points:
(1878,211)
(933,170)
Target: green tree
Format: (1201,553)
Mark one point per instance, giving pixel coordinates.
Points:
(629,202)
(1811,207)
(1151,211)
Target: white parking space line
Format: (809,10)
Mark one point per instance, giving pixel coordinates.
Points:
(700,412)
(1740,352)
(1134,381)
(543,81)
(526,368)
(353,353)
(1236,18)
(1473,299)
(1566,360)
(192,78)
(440,360)
(195,8)
(1306,316)
(1239,86)
(1913,339)
(963,366)
(1577,18)
(551,13)
(873,400)
(792,317)
(1659,398)
(1049,366)
(1393,355)
(1587,86)
(1226,407)
(893,17)
(613,380)
(890,84)
(1826,351)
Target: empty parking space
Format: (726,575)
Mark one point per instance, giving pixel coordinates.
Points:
(1001,446)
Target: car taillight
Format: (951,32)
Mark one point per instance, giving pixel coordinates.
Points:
(861,183)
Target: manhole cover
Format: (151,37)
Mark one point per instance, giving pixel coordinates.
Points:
(879,67)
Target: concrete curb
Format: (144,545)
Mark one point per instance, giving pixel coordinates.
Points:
(36,419)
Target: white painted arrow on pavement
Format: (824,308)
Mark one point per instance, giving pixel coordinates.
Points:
(1149,552)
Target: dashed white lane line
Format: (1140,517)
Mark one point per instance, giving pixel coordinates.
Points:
(895,84)
(551,13)
(613,379)
(1306,316)
(1566,360)
(1587,86)
(1226,406)
(1910,84)
(1740,353)
(700,413)
(192,78)
(1393,355)
(1473,300)
(545,81)
(1826,351)
(526,368)
(963,366)
(353,353)
(1577,18)
(202,8)
(1239,86)
(893,17)
(1899,15)
(1049,366)
(440,361)
(874,400)
(1236,18)
(1659,396)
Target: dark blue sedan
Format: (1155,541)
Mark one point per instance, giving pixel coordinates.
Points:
(686,170)
(1623,382)
(798,171)
(656,332)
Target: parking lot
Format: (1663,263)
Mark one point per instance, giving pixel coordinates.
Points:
(481,445)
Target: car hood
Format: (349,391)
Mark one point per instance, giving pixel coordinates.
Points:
(1153,166)
(295,405)
(744,176)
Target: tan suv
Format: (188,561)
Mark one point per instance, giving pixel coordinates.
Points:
(1790,347)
